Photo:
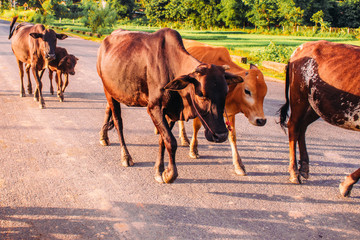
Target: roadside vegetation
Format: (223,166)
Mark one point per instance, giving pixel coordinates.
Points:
(267,30)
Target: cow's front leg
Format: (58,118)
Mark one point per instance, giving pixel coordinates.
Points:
(239,166)
(38,92)
(59,87)
(66,83)
(194,152)
(168,141)
(51,85)
(184,140)
(346,186)
(29,86)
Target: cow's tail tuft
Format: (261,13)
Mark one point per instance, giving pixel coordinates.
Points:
(283,111)
(12,26)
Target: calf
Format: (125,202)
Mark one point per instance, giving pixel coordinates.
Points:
(33,45)
(63,64)
(154,70)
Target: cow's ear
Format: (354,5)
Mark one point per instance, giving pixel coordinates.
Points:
(179,83)
(232,78)
(61,36)
(62,63)
(36,35)
(252,66)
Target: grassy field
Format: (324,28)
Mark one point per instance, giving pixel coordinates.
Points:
(238,42)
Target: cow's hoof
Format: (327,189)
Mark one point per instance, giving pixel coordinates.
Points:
(345,191)
(158,178)
(169,176)
(105,142)
(22,94)
(61,99)
(36,99)
(295,179)
(194,155)
(42,106)
(304,174)
(127,161)
(184,142)
(240,171)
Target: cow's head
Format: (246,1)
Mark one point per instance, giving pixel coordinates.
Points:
(67,64)
(205,92)
(48,39)
(253,92)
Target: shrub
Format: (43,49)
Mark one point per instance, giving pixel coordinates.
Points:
(273,52)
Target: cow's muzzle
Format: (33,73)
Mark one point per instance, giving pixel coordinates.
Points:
(72,73)
(216,137)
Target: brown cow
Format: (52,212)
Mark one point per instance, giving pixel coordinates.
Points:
(63,64)
(154,70)
(246,98)
(34,45)
(324,81)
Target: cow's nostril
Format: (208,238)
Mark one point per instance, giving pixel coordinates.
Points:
(261,121)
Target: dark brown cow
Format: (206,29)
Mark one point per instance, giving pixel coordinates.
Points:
(63,64)
(34,45)
(324,81)
(246,98)
(154,70)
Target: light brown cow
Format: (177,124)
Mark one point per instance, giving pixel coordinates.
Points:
(324,81)
(33,45)
(247,97)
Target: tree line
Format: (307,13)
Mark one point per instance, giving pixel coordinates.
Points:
(205,13)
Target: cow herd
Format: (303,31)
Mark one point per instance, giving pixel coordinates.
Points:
(178,80)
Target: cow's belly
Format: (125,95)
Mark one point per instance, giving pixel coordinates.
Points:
(337,107)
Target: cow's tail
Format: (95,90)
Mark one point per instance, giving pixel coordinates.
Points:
(12,29)
(283,111)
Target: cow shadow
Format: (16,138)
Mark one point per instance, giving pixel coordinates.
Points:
(164,221)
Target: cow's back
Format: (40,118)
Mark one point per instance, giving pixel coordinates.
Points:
(131,63)
(338,64)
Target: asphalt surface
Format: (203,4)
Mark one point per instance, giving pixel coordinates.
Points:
(58,182)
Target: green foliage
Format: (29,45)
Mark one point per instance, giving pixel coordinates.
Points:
(98,18)
(275,53)
(349,14)
(123,8)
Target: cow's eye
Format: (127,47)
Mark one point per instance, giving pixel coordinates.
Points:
(247,92)
(200,94)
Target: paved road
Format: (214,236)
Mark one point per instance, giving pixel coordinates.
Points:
(57,182)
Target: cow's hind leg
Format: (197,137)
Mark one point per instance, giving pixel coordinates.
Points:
(126,159)
(194,152)
(21,71)
(239,166)
(108,125)
(309,118)
(346,186)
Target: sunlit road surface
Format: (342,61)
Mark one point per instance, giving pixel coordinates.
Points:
(58,182)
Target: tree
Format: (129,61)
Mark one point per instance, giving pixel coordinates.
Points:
(232,13)
(263,13)
(123,8)
(318,18)
(289,14)
(349,12)
(311,7)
